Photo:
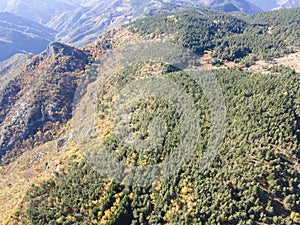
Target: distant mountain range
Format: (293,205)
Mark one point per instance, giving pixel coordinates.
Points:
(233,5)
(267,5)
(40,11)
(19,35)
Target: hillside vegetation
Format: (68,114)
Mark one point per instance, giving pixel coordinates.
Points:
(39,99)
(254,177)
(229,38)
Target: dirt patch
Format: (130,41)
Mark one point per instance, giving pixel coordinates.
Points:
(290,60)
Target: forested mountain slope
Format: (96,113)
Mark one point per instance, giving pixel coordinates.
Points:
(227,37)
(39,98)
(252,179)
(284,24)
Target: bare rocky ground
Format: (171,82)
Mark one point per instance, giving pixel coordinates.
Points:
(290,60)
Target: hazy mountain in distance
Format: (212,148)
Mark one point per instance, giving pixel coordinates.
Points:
(240,5)
(2,5)
(276,4)
(40,11)
(235,5)
(19,35)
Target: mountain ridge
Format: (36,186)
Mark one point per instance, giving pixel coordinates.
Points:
(33,102)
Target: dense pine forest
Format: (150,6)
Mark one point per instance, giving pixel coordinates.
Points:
(254,179)
(242,38)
